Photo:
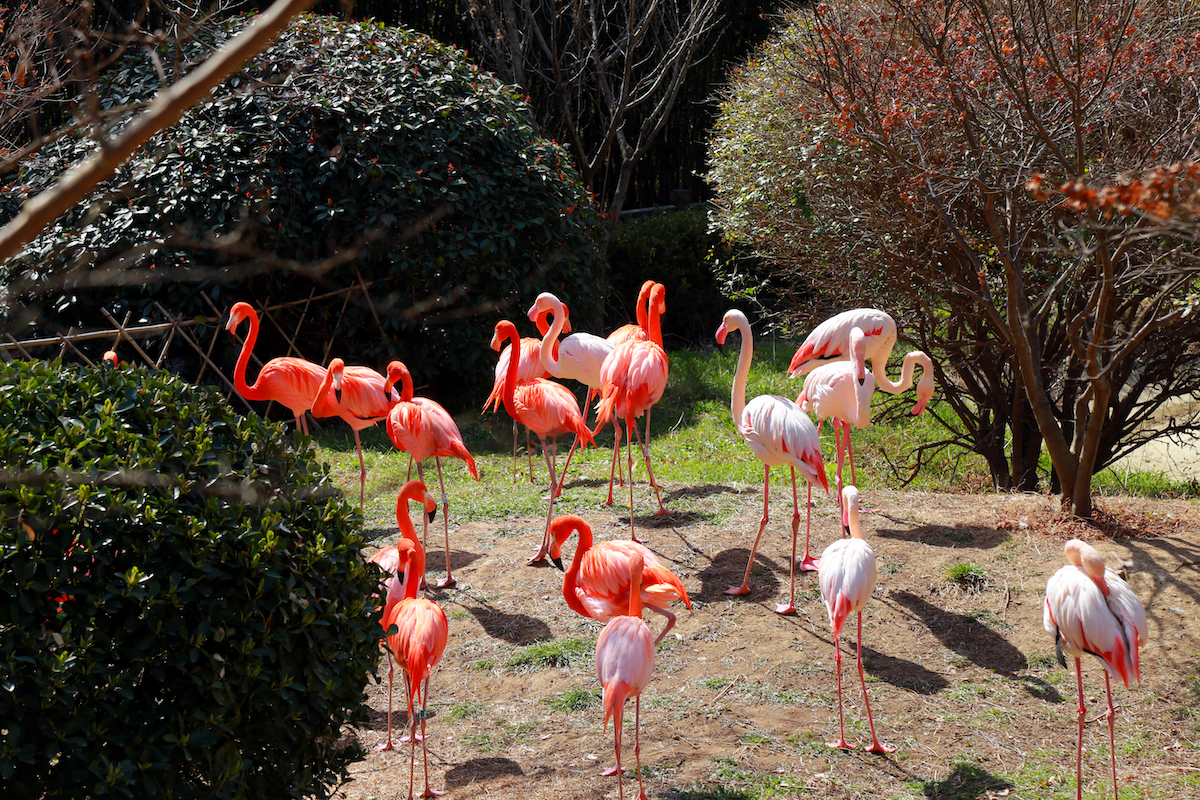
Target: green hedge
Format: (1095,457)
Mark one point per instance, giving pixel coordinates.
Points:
(184,610)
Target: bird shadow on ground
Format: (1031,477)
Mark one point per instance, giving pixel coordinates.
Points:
(378,720)
(901,673)
(481,769)
(966,782)
(372,534)
(969,638)
(705,490)
(518,629)
(710,793)
(727,568)
(982,538)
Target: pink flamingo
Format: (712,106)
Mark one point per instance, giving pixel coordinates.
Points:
(388,559)
(546,408)
(1089,609)
(781,435)
(361,397)
(635,330)
(417,646)
(109,359)
(423,428)
(633,378)
(597,585)
(830,342)
(847,576)
(529,359)
(625,663)
(841,390)
(292,382)
(579,357)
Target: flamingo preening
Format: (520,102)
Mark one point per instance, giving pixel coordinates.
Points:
(422,428)
(847,576)
(546,408)
(292,382)
(598,582)
(1091,610)
(781,435)
(624,664)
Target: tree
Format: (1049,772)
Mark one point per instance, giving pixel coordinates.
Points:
(881,154)
(604,76)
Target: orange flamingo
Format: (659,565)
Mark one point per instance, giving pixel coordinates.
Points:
(579,357)
(292,382)
(1089,609)
(632,330)
(417,646)
(781,435)
(110,360)
(388,559)
(625,663)
(847,576)
(597,585)
(529,359)
(423,428)
(546,408)
(633,378)
(361,397)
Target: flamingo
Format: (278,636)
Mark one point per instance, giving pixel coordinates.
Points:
(1089,609)
(841,390)
(781,435)
(625,663)
(847,576)
(423,428)
(633,378)
(388,559)
(292,382)
(417,646)
(361,397)
(546,408)
(109,359)
(632,330)
(531,367)
(579,357)
(830,342)
(598,583)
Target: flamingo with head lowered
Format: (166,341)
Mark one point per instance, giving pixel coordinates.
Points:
(292,382)
(422,428)
(781,435)
(546,408)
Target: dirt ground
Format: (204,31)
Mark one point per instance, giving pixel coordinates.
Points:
(962,680)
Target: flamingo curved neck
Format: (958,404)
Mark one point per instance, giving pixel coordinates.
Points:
(737,399)
(571,579)
(414,571)
(239,369)
(550,338)
(510,379)
(403,521)
(911,361)
(635,587)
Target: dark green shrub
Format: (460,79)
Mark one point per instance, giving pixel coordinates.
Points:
(184,611)
(675,248)
(338,136)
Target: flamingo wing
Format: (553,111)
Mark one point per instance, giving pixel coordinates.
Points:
(831,339)
(291,382)
(847,575)
(624,662)
(580,357)
(419,641)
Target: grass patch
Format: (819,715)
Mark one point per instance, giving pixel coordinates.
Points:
(966,781)
(471,708)
(574,700)
(1143,483)
(554,653)
(967,576)
(755,784)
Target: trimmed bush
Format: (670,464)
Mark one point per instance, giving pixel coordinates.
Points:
(338,136)
(184,610)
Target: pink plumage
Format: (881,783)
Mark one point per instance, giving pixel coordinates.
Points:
(360,397)
(291,382)
(830,341)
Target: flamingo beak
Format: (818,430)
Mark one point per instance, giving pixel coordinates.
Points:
(721,334)
(431,514)
(558,563)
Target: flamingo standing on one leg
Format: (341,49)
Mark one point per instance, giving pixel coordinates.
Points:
(579,357)
(781,435)
(1089,609)
(841,390)
(546,408)
(423,428)
(633,378)
(292,382)
(847,577)
(529,359)
(598,582)
(361,397)
(625,663)
(417,646)
(388,560)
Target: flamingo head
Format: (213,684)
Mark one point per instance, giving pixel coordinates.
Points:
(850,510)
(560,530)
(733,320)
(416,491)
(335,370)
(240,311)
(110,359)
(504,330)
(925,386)
(858,354)
(658,298)
(1088,559)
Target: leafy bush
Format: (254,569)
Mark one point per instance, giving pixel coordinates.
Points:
(184,611)
(339,136)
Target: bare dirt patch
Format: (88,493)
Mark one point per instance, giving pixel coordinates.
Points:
(962,681)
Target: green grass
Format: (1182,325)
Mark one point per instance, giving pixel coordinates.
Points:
(471,708)
(554,653)
(967,575)
(574,700)
(1143,483)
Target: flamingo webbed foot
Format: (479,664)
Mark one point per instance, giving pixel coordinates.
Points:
(876,747)
(408,737)
(383,748)
(743,589)
(810,564)
(432,792)
(612,771)
(537,558)
(663,511)
(840,744)
(447,582)
(785,608)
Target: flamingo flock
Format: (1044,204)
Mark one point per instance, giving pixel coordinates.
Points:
(1088,608)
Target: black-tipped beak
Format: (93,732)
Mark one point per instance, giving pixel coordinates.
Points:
(845,531)
(558,563)
(862,381)
(337,394)
(432,514)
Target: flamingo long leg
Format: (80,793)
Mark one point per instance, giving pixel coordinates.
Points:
(841,743)
(790,606)
(424,746)
(362,471)
(649,472)
(875,747)
(616,463)
(850,452)
(808,563)
(1080,712)
(448,581)
(618,720)
(841,455)
(529,455)
(629,431)
(514,461)
(637,743)
(762,524)
(549,451)
(1112,743)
